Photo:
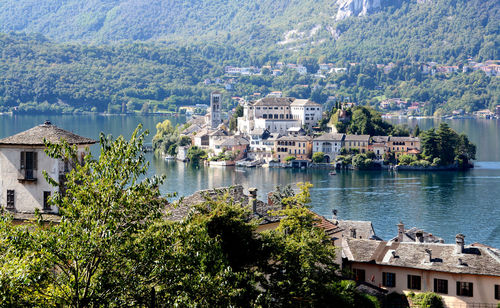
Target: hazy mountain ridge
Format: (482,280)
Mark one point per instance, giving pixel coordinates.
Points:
(353,30)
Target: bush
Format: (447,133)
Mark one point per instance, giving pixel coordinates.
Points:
(318,157)
(406,159)
(427,299)
(436,162)
(361,162)
(290,158)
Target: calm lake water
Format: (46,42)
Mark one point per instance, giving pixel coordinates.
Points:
(444,203)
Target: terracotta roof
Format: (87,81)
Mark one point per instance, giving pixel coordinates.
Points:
(444,258)
(51,133)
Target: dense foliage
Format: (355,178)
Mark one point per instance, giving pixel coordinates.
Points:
(444,146)
(115,246)
(426,299)
(438,30)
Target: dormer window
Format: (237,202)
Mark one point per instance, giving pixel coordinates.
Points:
(28,165)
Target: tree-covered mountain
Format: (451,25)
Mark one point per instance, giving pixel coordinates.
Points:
(375,31)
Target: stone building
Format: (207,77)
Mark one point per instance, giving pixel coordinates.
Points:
(465,276)
(22,161)
(330,144)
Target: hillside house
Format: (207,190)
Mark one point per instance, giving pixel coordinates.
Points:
(23,189)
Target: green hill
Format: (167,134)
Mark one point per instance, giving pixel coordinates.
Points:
(413,30)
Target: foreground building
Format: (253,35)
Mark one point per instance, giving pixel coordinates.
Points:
(463,275)
(23,189)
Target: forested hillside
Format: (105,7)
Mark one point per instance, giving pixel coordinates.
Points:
(410,30)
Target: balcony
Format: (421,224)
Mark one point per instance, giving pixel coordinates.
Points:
(27,176)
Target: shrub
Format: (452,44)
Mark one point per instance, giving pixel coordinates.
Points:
(427,299)
(290,158)
(406,159)
(318,157)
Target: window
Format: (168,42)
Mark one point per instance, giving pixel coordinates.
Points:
(28,163)
(388,280)
(464,288)
(414,282)
(46,195)
(10,199)
(441,286)
(497,291)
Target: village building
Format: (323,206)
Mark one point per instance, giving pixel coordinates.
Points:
(379,146)
(262,144)
(23,188)
(299,147)
(404,145)
(463,275)
(307,112)
(278,114)
(330,144)
(359,142)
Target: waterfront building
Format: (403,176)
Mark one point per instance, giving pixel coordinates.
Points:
(299,147)
(404,145)
(463,275)
(330,144)
(379,146)
(262,144)
(23,189)
(359,142)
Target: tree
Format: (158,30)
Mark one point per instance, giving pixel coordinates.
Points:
(447,141)
(290,158)
(85,259)
(318,157)
(195,154)
(429,143)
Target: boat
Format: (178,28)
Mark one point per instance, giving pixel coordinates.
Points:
(332,173)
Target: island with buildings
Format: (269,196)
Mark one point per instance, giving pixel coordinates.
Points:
(279,131)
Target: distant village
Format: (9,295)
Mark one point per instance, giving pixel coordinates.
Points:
(390,106)
(283,132)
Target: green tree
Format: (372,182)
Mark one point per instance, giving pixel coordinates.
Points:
(447,142)
(84,260)
(318,157)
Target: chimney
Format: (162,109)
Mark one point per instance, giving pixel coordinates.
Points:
(428,253)
(459,243)
(253,199)
(419,236)
(401,231)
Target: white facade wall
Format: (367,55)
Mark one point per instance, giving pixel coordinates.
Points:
(28,195)
(307,114)
(276,126)
(483,286)
(330,148)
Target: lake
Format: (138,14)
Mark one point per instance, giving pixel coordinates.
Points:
(443,203)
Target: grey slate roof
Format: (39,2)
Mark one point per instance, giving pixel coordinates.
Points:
(473,260)
(274,101)
(51,133)
(405,139)
(180,209)
(357,137)
(330,137)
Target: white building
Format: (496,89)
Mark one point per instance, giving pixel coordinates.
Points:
(278,114)
(307,112)
(22,161)
(330,144)
(262,144)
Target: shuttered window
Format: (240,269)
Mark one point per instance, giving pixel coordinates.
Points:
(29,164)
(465,288)
(10,199)
(441,286)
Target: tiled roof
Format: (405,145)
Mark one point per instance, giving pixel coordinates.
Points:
(180,209)
(304,102)
(444,258)
(330,137)
(274,101)
(47,131)
(405,139)
(357,137)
